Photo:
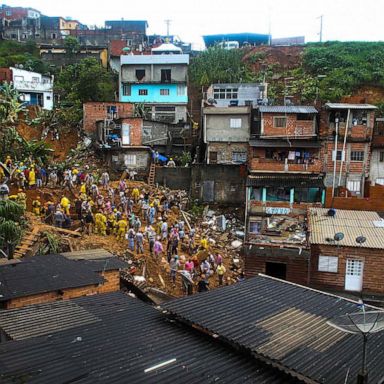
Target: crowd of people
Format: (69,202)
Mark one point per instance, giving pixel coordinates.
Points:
(140,218)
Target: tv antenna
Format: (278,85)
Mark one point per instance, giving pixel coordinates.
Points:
(168,23)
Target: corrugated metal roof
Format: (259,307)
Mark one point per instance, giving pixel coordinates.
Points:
(287,109)
(298,181)
(284,323)
(44,319)
(154,59)
(45,273)
(130,338)
(351,223)
(226,110)
(349,106)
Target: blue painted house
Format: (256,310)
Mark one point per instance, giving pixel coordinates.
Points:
(158,80)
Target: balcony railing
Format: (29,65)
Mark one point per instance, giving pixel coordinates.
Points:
(33,86)
(310,166)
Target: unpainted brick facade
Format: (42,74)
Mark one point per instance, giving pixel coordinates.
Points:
(112,284)
(224,153)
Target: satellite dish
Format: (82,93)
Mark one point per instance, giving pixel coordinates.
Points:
(338,236)
(331,212)
(212,101)
(361,239)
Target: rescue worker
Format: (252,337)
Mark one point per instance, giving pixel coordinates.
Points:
(101,224)
(36,206)
(8,162)
(22,199)
(122,228)
(83,189)
(135,194)
(65,204)
(32,178)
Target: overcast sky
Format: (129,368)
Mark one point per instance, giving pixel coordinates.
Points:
(342,19)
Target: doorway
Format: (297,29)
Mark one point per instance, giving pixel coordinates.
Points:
(278,270)
(354,275)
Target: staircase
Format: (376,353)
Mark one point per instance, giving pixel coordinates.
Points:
(151,177)
(26,243)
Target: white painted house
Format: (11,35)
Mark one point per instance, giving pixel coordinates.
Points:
(34,88)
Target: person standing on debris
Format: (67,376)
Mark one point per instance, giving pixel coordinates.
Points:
(32,178)
(151,237)
(135,194)
(152,213)
(174,266)
(122,225)
(89,221)
(220,270)
(53,178)
(174,244)
(36,206)
(164,230)
(65,204)
(58,218)
(158,247)
(203,284)
(101,224)
(204,243)
(205,268)
(186,278)
(131,239)
(22,199)
(39,180)
(137,224)
(105,180)
(171,163)
(139,242)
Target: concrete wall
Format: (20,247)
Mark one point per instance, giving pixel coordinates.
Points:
(377,166)
(218,128)
(128,158)
(179,73)
(223,184)
(225,151)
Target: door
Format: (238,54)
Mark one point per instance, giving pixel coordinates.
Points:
(125,134)
(354,275)
(278,270)
(208,191)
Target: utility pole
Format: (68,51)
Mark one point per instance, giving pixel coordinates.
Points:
(168,23)
(321,28)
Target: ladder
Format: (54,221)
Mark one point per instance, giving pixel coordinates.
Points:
(26,243)
(151,177)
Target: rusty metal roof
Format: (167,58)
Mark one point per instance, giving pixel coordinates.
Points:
(349,106)
(351,223)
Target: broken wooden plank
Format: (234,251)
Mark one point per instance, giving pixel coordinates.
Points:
(185,219)
(62,230)
(161,280)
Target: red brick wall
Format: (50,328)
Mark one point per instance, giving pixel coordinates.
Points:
(5,75)
(135,132)
(112,284)
(373,273)
(16,13)
(297,266)
(93,112)
(304,128)
(375,201)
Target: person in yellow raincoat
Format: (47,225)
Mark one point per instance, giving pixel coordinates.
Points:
(135,194)
(36,206)
(111,223)
(32,178)
(122,228)
(83,189)
(65,204)
(100,224)
(204,243)
(22,199)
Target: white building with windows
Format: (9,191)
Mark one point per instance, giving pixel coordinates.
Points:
(34,88)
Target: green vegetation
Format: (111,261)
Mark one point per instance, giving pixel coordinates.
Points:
(218,65)
(71,45)
(11,223)
(10,104)
(27,54)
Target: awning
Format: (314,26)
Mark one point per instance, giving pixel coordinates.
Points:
(303,181)
(273,143)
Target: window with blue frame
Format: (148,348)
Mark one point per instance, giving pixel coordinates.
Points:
(307,195)
(278,194)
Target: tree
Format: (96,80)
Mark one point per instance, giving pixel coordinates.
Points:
(85,81)
(10,104)
(71,45)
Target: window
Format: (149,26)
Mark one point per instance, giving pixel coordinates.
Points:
(380,180)
(129,160)
(235,123)
(125,134)
(164,92)
(255,226)
(278,194)
(13,36)
(129,42)
(357,156)
(180,90)
(165,108)
(381,157)
(24,36)
(239,157)
(126,90)
(339,156)
(18,78)
(143,92)
(269,152)
(165,75)
(140,74)
(213,157)
(279,122)
(248,103)
(225,93)
(328,264)
(354,186)
(255,194)
(307,195)
(8,13)
(53,36)
(48,97)
(35,80)
(304,117)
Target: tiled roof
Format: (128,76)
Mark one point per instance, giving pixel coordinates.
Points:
(116,47)
(128,339)
(351,223)
(287,109)
(303,181)
(349,106)
(284,323)
(45,273)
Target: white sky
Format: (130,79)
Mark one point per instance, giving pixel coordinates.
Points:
(343,19)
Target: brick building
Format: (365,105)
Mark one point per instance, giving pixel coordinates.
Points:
(346,250)
(347,131)
(48,278)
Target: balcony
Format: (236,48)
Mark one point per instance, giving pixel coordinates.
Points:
(33,86)
(271,165)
